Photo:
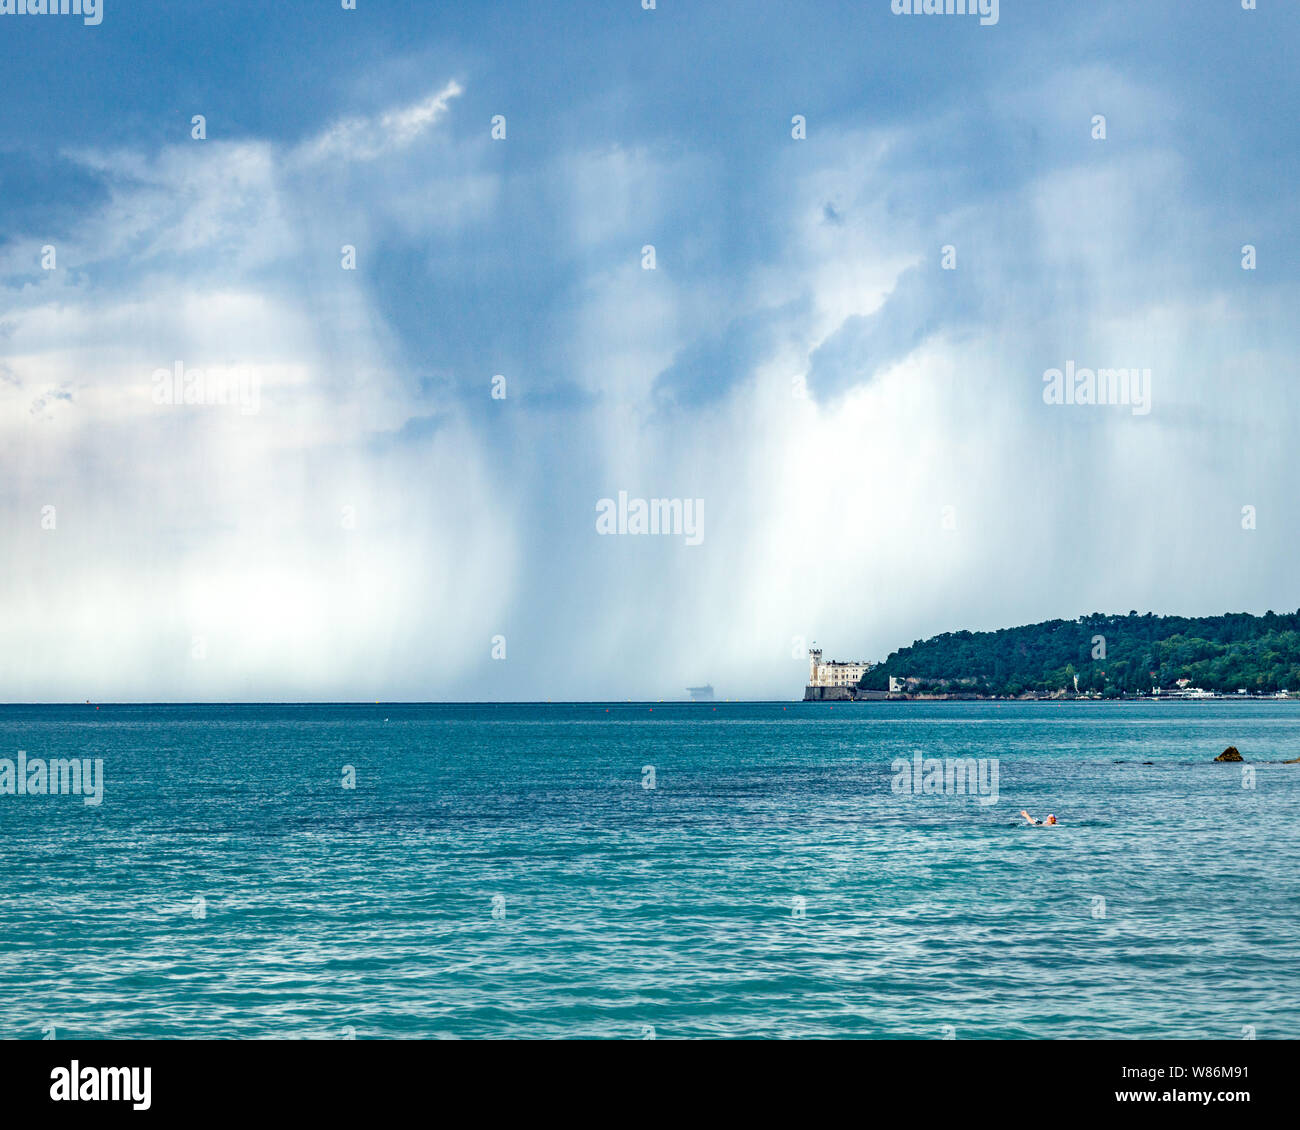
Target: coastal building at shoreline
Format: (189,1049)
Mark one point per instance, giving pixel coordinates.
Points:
(834,673)
(836,679)
(1184,689)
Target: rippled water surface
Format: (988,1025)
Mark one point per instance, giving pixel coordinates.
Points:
(229,886)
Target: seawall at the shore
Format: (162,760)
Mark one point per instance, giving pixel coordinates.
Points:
(843,694)
(857,694)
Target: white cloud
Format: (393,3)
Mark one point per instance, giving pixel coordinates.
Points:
(367,138)
(312,553)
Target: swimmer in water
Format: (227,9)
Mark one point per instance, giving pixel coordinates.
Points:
(1038,823)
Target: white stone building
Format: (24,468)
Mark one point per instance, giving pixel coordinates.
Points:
(834,673)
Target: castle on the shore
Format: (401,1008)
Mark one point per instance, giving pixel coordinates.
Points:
(836,673)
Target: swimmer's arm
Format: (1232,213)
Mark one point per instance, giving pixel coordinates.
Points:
(1028,817)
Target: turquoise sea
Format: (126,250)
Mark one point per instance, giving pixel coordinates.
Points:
(503,871)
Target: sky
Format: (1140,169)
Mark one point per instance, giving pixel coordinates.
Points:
(872,236)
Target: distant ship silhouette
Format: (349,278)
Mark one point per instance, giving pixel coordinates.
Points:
(701,694)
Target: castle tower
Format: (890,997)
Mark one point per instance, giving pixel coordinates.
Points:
(814,661)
